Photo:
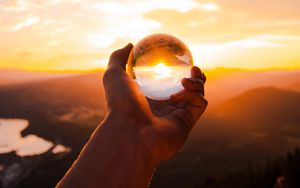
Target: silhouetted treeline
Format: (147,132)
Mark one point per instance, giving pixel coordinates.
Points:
(281,173)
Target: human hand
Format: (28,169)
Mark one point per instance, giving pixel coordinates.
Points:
(138,133)
(157,128)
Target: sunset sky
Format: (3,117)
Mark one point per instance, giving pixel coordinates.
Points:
(81,34)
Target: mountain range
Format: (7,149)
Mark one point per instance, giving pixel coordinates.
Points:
(251,117)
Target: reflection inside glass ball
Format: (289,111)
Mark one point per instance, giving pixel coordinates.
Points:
(158,63)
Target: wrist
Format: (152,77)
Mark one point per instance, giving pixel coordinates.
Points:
(113,157)
(128,139)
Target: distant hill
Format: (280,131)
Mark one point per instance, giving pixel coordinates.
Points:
(252,116)
(60,109)
(11,77)
(83,90)
(58,105)
(259,124)
(264,117)
(221,87)
(261,105)
(295,86)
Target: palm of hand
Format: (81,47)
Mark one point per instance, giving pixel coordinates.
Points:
(163,126)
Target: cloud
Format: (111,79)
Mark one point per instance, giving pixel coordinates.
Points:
(25,5)
(100,40)
(252,43)
(209,6)
(218,52)
(260,41)
(142,6)
(126,19)
(13,5)
(53,43)
(280,37)
(81,27)
(26,23)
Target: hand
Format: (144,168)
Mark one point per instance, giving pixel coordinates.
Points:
(138,133)
(158,128)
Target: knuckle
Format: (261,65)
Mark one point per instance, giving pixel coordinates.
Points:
(108,75)
(114,54)
(204,77)
(201,101)
(205,102)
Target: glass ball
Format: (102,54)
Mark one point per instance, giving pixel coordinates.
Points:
(158,63)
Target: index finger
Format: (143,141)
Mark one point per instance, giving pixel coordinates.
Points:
(196,73)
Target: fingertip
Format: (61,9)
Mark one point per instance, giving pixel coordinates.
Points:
(196,69)
(125,51)
(195,72)
(129,45)
(128,48)
(184,81)
(120,57)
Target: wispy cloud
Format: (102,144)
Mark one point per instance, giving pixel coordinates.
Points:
(13,5)
(78,28)
(26,23)
(209,6)
(252,43)
(27,5)
(142,6)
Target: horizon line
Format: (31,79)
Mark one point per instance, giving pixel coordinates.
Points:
(103,69)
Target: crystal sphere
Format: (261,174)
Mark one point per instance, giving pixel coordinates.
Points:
(158,63)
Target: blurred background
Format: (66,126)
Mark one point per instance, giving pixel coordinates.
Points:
(53,54)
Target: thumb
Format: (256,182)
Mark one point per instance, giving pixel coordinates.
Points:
(118,58)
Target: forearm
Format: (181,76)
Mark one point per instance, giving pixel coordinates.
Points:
(111,158)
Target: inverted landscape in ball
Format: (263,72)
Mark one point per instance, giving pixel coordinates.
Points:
(158,63)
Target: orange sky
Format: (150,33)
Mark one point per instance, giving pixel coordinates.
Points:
(80,34)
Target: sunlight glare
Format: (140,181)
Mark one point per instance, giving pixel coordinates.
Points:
(161,71)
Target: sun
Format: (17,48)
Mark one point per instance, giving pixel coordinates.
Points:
(161,70)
